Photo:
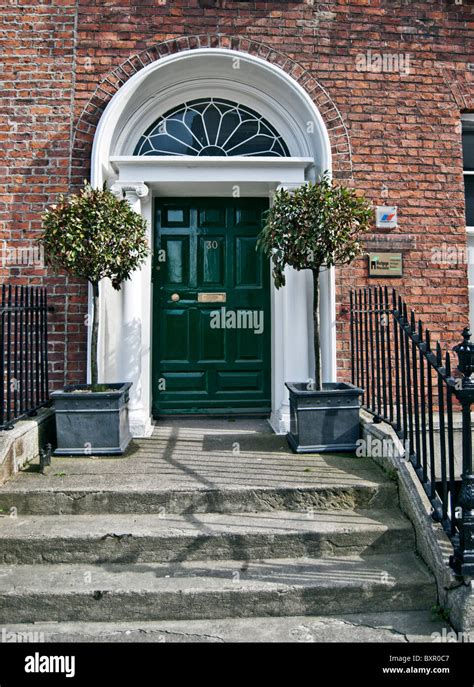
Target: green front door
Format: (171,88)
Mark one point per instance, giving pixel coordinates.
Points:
(211,324)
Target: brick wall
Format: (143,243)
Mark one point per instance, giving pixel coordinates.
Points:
(37,69)
(395,134)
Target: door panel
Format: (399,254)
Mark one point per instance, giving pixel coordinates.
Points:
(211,301)
(177,262)
(248,347)
(248,271)
(211,342)
(211,255)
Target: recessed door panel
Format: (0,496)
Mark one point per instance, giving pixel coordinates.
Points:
(174,267)
(174,325)
(248,271)
(211,260)
(211,341)
(249,345)
(177,382)
(239,382)
(211,216)
(247,216)
(174,216)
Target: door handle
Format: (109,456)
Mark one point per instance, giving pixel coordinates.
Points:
(175,297)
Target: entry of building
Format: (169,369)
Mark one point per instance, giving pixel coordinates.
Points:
(211,307)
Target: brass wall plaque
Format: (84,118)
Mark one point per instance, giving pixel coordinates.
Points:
(212,297)
(385,265)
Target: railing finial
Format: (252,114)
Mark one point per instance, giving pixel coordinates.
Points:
(465,353)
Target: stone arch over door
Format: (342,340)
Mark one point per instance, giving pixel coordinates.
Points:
(277,94)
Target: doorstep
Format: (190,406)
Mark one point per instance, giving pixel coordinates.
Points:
(191,460)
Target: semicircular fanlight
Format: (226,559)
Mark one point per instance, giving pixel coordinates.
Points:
(214,127)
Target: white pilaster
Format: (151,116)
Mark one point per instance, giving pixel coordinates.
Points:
(292,306)
(133,335)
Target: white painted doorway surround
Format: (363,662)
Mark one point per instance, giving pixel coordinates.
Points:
(125,332)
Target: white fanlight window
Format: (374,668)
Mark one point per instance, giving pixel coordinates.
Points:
(212,127)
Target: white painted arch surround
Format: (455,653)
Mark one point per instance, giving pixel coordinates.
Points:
(125,331)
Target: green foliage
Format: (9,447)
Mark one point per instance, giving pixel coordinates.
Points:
(316,225)
(440,613)
(94,235)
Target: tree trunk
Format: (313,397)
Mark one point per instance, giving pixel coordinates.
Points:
(317,338)
(95,334)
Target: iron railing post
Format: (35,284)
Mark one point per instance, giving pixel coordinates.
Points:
(462,561)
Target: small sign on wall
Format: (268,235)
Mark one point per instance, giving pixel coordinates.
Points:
(385,265)
(386,217)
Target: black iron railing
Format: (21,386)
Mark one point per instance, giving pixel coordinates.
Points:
(23,347)
(408,383)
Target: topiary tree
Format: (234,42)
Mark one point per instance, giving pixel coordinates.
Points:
(317,225)
(94,235)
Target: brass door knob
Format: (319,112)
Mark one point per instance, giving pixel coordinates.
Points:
(175,297)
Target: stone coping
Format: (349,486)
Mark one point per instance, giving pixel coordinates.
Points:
(456,595)
(22,444)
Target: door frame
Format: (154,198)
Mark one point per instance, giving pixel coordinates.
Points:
(125,330)
(127,314)
(156,201)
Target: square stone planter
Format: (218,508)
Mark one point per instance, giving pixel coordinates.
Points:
(92,422)
(326,420)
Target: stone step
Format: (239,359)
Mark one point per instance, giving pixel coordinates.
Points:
(23,498)
(145,538)
(214,589)
(395,627)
